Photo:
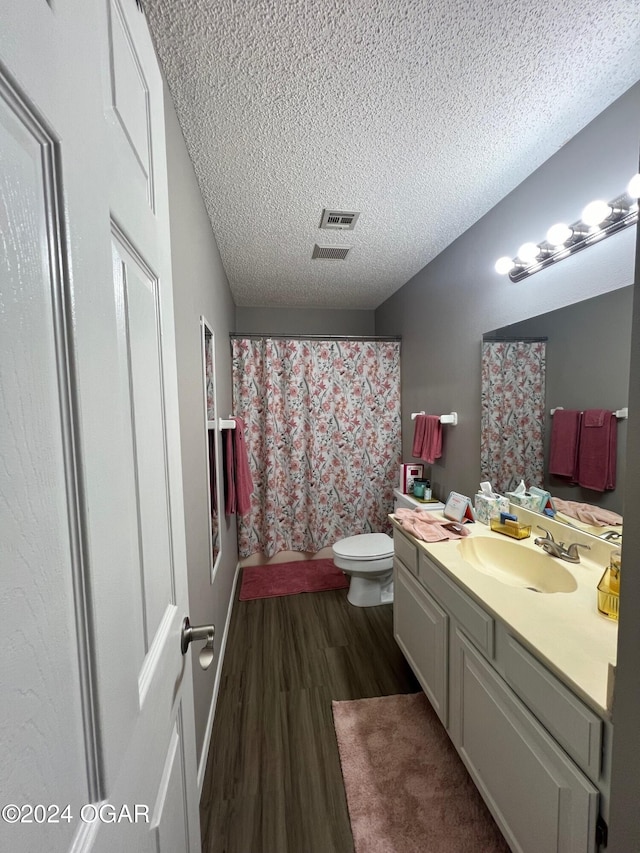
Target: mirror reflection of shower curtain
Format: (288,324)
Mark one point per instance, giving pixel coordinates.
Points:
(323,432)
(513,413)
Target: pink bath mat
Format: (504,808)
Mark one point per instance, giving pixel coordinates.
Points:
(291,578)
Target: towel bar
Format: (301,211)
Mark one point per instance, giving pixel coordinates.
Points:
(444,419)
(621,414)
(224,423)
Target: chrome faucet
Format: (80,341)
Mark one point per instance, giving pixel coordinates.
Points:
(557,549)
(611,535)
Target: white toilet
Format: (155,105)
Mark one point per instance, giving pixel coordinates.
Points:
(368,560)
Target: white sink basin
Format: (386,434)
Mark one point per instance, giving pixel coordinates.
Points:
(513,564)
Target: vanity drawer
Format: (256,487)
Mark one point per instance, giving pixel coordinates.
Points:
(406,551)
(575,726)
(476,623)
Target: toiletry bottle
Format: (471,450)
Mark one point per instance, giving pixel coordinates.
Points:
(615,562)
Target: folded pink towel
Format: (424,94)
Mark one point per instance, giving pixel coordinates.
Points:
(597,450)
(563,452)
(423,525)
(588,513)
(427,438)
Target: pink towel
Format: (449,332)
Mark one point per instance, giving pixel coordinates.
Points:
(563,452)
(244,480)
(419,432)
(238,479)
(597,450)
(424,525)
(588,513)
(427,438)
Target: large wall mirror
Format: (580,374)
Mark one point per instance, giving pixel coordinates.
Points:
(588,351)
(213,468)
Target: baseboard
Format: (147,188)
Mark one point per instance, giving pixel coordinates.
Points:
(260,559)
(202,764)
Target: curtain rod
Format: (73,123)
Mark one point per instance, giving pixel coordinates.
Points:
(498,340)
(257,336)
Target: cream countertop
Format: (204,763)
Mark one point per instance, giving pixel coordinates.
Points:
(565,630)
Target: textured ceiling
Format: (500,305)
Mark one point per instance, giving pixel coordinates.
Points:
(417,113)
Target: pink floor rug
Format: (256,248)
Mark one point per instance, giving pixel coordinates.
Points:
(290,578)
(407,790)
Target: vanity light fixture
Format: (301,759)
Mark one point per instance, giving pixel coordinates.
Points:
(599,219)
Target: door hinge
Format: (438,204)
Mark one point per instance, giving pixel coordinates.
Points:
(602,832)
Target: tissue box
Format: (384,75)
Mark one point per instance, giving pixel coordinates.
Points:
(488,507)
(408,473)
(546,501)
(526,500)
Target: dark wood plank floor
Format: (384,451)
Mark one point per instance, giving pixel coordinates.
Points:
(273,782)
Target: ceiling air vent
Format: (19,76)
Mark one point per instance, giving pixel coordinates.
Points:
(336,253)
(340,220)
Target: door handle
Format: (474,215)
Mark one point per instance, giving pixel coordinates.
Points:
(196,634)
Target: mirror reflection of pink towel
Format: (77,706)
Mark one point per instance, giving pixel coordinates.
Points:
(588,513)
(229,475)
(563,452)
(597,450)
(427,438)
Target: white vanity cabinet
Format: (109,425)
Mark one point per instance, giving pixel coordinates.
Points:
(532,747)
(539,797)
(421,629)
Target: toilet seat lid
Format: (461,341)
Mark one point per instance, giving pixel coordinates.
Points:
(365,546)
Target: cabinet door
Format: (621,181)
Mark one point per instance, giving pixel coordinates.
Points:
(539,798)
(420,627)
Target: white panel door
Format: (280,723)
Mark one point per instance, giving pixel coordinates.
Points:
(96,729)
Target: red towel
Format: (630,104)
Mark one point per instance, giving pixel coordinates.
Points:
(212,471)
(229,475)
(238,482)
(427,438)
(597,450)
(419,430)
(563,452)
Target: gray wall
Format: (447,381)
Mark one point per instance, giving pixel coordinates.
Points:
(625,777)
(444,310)
(587,367)
(305,321)
(200,288)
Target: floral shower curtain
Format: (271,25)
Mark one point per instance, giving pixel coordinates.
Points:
(513,413)
(323,432)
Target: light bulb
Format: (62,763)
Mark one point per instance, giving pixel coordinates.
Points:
(528,252)
(504,265)
(633,187)
(558,234)
(595,213)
